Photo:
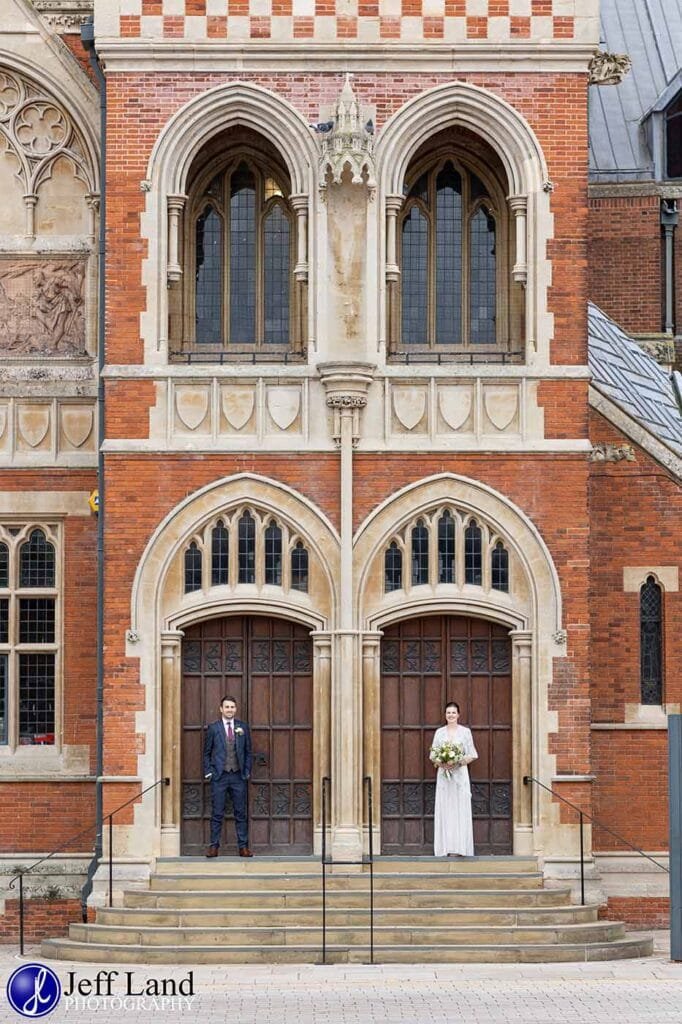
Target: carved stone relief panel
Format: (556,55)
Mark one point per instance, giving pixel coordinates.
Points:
(42,307)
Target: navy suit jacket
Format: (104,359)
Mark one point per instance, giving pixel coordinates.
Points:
(215,748)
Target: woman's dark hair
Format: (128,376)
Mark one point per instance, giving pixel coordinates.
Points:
(453,704)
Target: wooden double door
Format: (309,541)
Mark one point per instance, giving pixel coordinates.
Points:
(425,663)
(267,665)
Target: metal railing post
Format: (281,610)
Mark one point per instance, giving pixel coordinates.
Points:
(325,781)
(675,790)
(111,859)
(370,816)
(582,863)
(21,913)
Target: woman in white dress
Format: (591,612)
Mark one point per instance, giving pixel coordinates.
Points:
(453,831)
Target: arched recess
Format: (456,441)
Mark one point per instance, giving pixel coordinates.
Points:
(160,611)
(510,135)
(531,611)
(190,128)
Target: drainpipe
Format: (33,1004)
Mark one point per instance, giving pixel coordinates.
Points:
(669,219)
(88,41)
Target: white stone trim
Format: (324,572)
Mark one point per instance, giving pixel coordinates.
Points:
(633,429)
(20,504)
(635,576)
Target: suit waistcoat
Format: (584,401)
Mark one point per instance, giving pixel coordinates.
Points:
(231,762)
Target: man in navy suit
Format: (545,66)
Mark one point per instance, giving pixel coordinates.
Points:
(227,763)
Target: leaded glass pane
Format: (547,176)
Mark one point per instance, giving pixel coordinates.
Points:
(420,554)
(37,620)
(393,568)
(299,568)
(4,565)
(446,548)
(209,277)
(500,568)
(482,279)
(414,278)
(242,257)
(273,555)
(651,635)
(473,561)
(220,555)
(276,258)
(448,257)
(4,620)
(192,569)
(3,698)
(36,698)
(420,189)
(247,549)
(37,561)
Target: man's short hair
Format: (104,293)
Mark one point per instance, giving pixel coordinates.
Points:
(223,699)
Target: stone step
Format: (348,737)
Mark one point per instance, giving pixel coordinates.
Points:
(246,917)
(68,949)
(389,880)
(384,935)
(305,865)
(278,898)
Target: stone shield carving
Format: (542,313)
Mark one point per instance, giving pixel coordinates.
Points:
(283,406)
(455,404)
(192,406)
(33,422)
(409,405)
(238,406)
(501,404)
(77,425)
(3,419)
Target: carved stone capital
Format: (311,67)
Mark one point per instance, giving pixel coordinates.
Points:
(339,401)
(560,637)
(612,453)
(609,68)
(349,144)
(346,386)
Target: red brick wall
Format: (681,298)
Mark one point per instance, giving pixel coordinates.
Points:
(43,919)
(625,260)
(44,815)
(638,912)
(636,509)
(139,105)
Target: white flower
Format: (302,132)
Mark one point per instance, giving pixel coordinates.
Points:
(239,731)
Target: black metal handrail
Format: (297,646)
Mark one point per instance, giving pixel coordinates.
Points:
(527,779)
(58,849)
(327,861)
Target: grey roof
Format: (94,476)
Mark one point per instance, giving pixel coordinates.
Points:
(650,31)
(632,379)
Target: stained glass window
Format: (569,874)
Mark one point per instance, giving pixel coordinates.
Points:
(220,555)
(192,568)
(651,636)
(393,568)
(446,548)
(473,560)
(415,277)
(4,565)
(273,555)
(482,279)
(209,277)
(500,567)
(276,258)
(247,549)
(420,554)
(37,562)
(299,568)
(448,257)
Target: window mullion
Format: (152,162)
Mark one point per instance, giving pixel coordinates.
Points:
(466,261)
(227,239)
(431,262)
(260,262)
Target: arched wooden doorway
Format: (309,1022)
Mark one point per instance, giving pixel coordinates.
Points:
(424,663)
(267,665)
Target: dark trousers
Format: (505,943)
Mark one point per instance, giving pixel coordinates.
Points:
(234,784)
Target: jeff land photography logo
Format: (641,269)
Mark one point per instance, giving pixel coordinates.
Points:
(33,990)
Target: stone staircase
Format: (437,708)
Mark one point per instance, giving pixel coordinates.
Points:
(269,910)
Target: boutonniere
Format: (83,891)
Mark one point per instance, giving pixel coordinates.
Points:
(239,731)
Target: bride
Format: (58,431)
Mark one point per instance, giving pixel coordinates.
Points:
(453,827)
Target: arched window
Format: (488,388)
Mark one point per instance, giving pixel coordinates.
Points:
(4,565)
(247,549)
(299,568)
(192,568)
(651,642)
(473,560)
(446,548)
(499,567)
(273,555)
(393,568)
(239,295)
(36,561)
(420,554)
(673,138)
(455,295)
(220,555)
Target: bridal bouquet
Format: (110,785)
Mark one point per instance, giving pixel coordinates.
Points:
(447,756)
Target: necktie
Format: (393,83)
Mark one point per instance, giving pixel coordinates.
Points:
(230,734)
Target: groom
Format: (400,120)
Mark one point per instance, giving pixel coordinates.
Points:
(227,763)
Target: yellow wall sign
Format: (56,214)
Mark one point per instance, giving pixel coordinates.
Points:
(93,501)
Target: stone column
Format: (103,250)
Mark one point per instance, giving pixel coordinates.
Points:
(346,385)
(176,205)
(170,742)
(393,207)
(322,677)
(518,206)
(371,718)
(300,204)
(522,739)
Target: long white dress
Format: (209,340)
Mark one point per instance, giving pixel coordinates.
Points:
(453,830)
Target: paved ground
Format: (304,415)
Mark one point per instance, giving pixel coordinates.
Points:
(647,991)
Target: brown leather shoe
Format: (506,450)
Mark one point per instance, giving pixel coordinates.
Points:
(245,852)
(212,851)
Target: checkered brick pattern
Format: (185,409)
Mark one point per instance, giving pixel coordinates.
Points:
(367,21)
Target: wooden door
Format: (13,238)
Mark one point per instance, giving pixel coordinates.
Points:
(267,665)
(425,663)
